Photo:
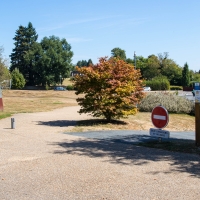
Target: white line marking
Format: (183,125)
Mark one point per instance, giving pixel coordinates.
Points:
(159,117)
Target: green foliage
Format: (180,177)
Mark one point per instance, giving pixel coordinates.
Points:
(112,89)
(25,39)
(118,53)
(4,115)
(54,60)
(172,102)
(174,87)
(158,83)
(185,75)
(4,72)
(18,81)
(41,63)
(70,87)
(152,68)
(159,65)
(84,63)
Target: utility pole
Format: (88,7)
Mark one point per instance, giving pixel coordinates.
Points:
(135,59)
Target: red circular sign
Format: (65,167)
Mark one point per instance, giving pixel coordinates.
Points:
(159,117)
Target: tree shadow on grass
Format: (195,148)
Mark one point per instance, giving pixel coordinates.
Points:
(128,154)
(88,122)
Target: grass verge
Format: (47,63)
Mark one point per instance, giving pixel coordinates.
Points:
(4,115)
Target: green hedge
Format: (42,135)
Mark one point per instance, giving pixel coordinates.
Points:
(70,87)
(159,83)
(174,87)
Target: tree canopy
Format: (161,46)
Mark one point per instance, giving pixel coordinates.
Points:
(185,75)
(24,40)
(4,72)
(112,88)
(52,59)
(40,63)
(84,63)
(117,52)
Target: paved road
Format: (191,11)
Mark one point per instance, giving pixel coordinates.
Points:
(132,136)
(41,160)
(187,95)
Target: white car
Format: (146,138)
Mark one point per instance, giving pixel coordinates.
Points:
(147,88)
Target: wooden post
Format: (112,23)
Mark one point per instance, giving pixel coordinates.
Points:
(197,123)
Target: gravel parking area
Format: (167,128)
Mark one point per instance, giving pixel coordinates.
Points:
(39,161)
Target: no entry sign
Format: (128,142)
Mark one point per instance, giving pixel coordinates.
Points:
(159,117)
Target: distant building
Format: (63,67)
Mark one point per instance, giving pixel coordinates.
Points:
(74,73)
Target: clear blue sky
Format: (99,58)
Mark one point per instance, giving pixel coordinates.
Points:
(95,27)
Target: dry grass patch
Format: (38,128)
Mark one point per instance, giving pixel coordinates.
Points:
(19,101)
(140,121)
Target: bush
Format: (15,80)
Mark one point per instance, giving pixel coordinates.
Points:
(174,87)
(172,102)
(159,83)
(18,81)
(70,87)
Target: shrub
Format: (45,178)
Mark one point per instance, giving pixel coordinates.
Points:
(174,87)
(70,87)
(18,81)
(159,83)
(172,102)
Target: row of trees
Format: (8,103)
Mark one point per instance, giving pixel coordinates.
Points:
(161,65)
(84,63)
(41,63)
(45,62)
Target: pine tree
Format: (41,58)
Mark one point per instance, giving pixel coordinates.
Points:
(24,40)
(185,75)
(89,62)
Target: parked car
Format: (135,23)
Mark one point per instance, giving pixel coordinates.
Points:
(59,88)
(147,88)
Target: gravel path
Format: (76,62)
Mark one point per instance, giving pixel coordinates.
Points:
(39,161)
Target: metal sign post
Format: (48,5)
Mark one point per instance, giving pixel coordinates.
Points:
(197,117)
(197,113)
(197,124)
(160,119)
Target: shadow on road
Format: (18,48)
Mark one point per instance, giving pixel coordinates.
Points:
(129,154)
(88,122)
(60,123)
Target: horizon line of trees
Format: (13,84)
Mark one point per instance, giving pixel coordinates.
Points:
(161,65)
(50,61)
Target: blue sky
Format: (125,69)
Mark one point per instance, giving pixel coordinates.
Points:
(94,27)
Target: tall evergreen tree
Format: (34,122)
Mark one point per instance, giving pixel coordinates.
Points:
(89,62)
(24,40)
(84,63)
(185,75)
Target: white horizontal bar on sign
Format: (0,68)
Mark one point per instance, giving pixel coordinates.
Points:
(161,117)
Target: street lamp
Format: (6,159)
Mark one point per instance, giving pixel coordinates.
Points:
(60,79)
